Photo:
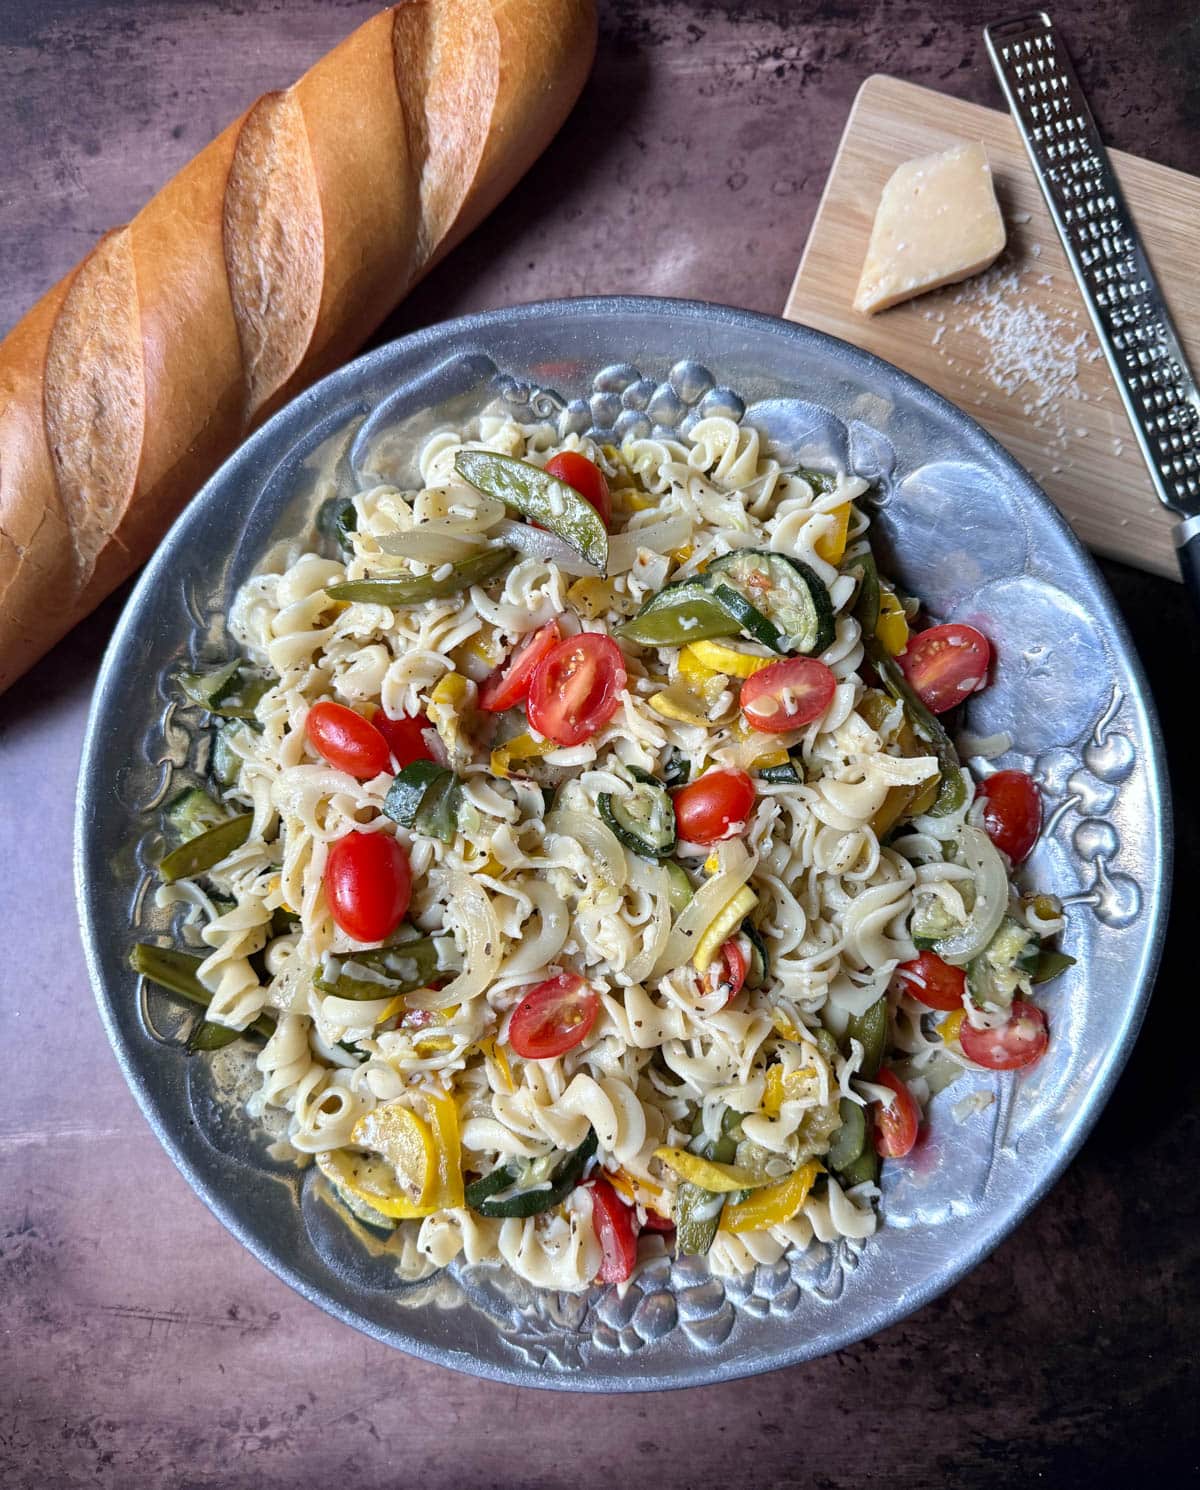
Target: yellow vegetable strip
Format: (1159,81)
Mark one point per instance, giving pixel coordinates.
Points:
(773,1205)
(722,1179)
(726,922)
(892,626)
(719,658)
(831,545)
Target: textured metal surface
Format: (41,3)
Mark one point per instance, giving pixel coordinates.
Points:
(1097,229)
(968,530)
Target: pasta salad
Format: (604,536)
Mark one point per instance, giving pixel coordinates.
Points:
(584,849)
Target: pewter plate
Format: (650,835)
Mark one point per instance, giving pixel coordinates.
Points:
(961,524)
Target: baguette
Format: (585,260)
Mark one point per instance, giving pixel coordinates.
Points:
(260,267)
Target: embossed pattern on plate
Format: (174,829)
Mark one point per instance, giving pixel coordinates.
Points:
(962,525)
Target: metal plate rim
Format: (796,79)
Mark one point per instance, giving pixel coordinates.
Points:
(872,370)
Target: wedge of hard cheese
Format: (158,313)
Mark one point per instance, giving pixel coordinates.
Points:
(938,221)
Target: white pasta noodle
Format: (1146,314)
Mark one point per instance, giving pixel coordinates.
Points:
(524,888)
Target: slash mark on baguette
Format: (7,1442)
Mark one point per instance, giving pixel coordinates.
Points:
(95,397)
(446,102)
(274,244)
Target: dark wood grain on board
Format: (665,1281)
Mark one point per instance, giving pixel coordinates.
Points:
(139,1344)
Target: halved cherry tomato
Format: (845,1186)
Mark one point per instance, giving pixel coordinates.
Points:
(728,971)
(716,806)
(787,694)
(347,740)
(1012,812)
(553,1018)
(933,982)
(895,1126)
(574,689)
(509,684)
(655,1222)
(587,478)
(945,664)
(368,884)
(405,738)
(616,1231)
(1011,1046)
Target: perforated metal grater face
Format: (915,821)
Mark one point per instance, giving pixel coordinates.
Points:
(1097,231)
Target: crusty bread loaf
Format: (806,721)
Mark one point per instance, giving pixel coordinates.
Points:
(265,263)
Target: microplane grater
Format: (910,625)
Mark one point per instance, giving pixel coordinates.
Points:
(1110,264)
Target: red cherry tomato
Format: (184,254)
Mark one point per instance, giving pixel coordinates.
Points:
(728,970)
(1012,812)
(587,478)
(553,1018)
(787,694)
(716,806)
(368,884)
(1011,1046)
(574,688)
(655,1222)
(896,1126)
(616,1231)
(933,982)
(405,738)
(509,684)
(945,664)
(347,740)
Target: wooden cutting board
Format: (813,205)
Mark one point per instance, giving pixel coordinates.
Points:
(1013,347)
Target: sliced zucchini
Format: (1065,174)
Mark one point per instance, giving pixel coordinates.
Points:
(1008,960)
(643,819)
(425,796)
(680,891)
(790,772)
(931,921)
(337,520)
(677,769)
(758,973)
(866,602)
(790,595)
(193,812)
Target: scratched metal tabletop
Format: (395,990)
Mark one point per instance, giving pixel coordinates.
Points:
(139,1344)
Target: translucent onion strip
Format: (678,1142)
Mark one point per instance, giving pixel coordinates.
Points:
(979,854)
(737,865)
(598,843)
(654,880)
(536,543)
(429,545)
(471,907)
(660,537)
(539,946)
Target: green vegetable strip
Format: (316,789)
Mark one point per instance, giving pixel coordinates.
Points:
(199,854)
(482,1194)
(177,973)
(952,788)
(870,1030)
(400,969)
(542,498)
(413,589)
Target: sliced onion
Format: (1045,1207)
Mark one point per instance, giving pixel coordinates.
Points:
(598,843)
(430,544)
(354,1014)
(537,543)
(660,537)
(654,880)
(979,854)
(468,902)
(537,948)
(737,865)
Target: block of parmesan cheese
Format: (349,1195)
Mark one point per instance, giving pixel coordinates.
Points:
(938,221)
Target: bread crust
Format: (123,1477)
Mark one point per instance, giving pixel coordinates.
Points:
(261,266)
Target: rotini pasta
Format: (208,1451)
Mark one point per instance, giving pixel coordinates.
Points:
(587,1009)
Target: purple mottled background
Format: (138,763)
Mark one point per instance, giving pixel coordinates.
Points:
(139,1344)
